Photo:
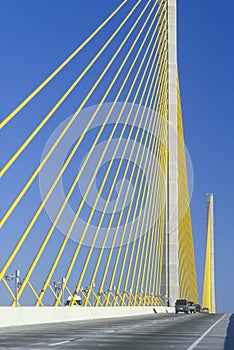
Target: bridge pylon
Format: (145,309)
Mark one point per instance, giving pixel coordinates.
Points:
(208,300)
(171,239)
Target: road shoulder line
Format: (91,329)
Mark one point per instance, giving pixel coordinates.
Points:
(191,347)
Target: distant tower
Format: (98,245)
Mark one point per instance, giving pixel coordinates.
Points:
(209,279)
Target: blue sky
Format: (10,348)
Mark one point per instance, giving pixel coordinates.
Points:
(206,48)
(41,34)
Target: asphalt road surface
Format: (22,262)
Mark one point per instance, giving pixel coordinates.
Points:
(167,331)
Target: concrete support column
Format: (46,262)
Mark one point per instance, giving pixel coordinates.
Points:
(210,206)
(172,224)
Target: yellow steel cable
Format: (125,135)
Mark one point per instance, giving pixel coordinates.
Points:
(135,265)
(148,287)
(104,275)
(136,259)
(130,180)
(136,206)
(58,104)
(155,273)
(34,292)
(74,149)
(155,252)
(151,273)
(118,255)
(8,288)
(158,285)
(129,266)
(51,76)
(157,239)
(109,195)
(160,224)
(188,285)
(89,254)
(106,268)
(93,177)
(119,138)
(160,253)
(113,275)
(142,245)
(160,240)
(149,241)
(126,169)
(36,172)
(52,290)
(70,267)
(187,276)
(143,253)
(134,272)
(68,290)
(133,248)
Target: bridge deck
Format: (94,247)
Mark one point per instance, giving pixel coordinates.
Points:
(147,332)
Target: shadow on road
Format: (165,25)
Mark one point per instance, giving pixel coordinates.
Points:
(229,341)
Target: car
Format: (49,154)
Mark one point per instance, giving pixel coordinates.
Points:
(77,301)
(198,307)
(205,310)
(191,307)
(181,305)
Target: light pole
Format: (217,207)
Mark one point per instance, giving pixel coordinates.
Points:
(60,286)
(93,287)
(16,277)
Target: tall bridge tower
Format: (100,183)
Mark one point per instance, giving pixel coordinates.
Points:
(208,300)
(172,192)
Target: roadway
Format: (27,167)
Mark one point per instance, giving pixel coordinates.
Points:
(165,331)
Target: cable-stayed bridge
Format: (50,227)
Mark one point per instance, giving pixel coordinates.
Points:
(96,203)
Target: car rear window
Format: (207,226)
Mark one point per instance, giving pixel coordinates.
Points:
(181,302)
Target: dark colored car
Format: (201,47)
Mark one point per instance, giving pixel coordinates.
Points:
(198,307)
(192,307)
(181,305)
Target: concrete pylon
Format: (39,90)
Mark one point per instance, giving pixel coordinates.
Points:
(173,259)
(170,281)
(208,300)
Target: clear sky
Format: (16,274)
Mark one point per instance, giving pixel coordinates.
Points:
(206,48)
(39,35)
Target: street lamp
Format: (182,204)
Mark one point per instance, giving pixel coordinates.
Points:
(16,277)
(93,287)
(60,286)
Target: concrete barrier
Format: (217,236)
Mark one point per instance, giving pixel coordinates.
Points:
(16,316)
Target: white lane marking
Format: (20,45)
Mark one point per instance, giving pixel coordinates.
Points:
(191,347)
(109,331)
(61,342)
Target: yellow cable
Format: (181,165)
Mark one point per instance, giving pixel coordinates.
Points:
(126,170)
(149,239)
(121,273)
(107,172)
(93,177)
(58,104)
(51,76)
(103,279)
(116,262)
(138,197)
(134,272)
(160,225)
(36,172)
(133,249)
(25,234)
